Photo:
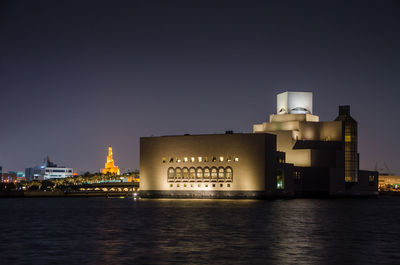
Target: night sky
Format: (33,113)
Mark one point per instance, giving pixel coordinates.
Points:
(76,76)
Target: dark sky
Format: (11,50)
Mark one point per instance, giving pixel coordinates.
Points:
(76,76)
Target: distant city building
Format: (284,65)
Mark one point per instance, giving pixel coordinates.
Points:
(293,153)
(12,176)
(20,175)
(109,166)
(389,182)
(48,170)
(9,177)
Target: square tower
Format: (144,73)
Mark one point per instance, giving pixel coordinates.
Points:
(294,103)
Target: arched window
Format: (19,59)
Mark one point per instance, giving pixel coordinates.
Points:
(199,173)
(221,174)
(206,173)
(192,173)
(229,174)
(214,174)
(178,173)
(185,173)
(171,174)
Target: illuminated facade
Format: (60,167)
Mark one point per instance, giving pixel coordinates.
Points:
(292,154)
(389,182)
(110,167)
(218,165)
(48,170)
(319,148)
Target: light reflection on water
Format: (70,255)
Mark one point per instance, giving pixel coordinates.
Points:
(123,231)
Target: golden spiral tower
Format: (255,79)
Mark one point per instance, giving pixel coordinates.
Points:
(110,167)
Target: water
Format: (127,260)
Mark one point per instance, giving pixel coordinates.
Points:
(123,231)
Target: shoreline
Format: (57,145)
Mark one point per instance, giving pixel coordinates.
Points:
(53,194)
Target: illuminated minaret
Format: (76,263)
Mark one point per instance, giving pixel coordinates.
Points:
(109,165)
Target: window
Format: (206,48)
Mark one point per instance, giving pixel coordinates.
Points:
(178,160)
(221,174)
(199,173)
(206,185)
(214,159)
(199,185)
(171,174)
(221,185)
(228,159)
(171,185)
(236,159)
(192,173)
(280,180)
(213,185)
(178,185)
(184,185)
(200,159)
(191,185)
(228,185)
(185,173)
(214,174)
(192,159)
(206,159)
(229,174)
(185,159)
(178,173)
(297,175)
(221,159)
(371,180)
(171,160)
(207,173)
(164,159)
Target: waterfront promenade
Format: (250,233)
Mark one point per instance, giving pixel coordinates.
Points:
(107,189)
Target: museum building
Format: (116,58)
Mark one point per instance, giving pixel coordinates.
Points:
(294,154)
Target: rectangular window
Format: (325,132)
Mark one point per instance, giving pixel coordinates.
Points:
(184,185)
(236,159)
(171,160)
(185,159)
(228,185)
(213,185)
(221,185)
(171,185)
(192,159)
(200,159)
(221,159)
(206,159)
(164,159)
(214,159)
(199,185)
(206,185)
(371,178)
(191,185)
(178,185)
(296,175)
